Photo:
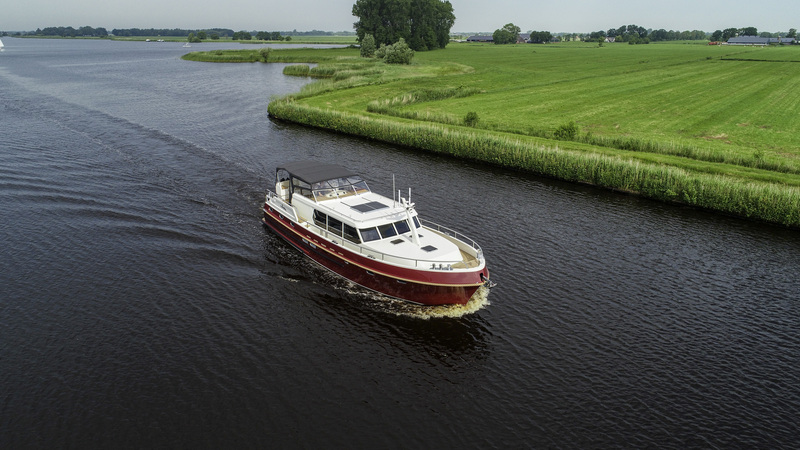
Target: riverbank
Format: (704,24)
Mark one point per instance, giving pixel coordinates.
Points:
(673,122)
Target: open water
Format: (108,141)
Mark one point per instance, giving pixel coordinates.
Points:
(143,305)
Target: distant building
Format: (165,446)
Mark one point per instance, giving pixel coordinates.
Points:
(756,40)
(480,38)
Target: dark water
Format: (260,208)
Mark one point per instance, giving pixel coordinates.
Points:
(143,305)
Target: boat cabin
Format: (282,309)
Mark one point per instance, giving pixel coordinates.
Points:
(339,206)
(311,186)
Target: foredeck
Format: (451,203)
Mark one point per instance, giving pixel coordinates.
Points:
(467,261)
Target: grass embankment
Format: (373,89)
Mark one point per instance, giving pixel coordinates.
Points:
(709,126)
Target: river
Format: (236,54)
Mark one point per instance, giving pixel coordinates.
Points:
(143,304)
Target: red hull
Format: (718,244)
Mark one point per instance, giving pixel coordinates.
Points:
(418,286)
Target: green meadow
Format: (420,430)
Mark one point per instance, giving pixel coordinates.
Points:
(710,126)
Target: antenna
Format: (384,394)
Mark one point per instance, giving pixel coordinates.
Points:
(394,202)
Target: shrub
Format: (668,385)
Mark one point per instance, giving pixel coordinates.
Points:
(380,53)
(566,132)
(264,52)
(471,119)
(368,46)
(397,53)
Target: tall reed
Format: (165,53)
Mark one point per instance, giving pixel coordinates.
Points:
(758,200)
(297,70)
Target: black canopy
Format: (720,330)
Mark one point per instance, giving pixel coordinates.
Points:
(313,172)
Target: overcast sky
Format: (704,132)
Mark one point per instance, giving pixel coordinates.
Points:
(336,15)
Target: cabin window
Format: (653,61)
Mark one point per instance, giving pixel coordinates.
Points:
(387,230)
(301,187)
(402,227)
(416,222)
(339,182)
(323,191)
(351,234)
(360,186)
(337,188)
(335,226)
(320,219)
(369,234)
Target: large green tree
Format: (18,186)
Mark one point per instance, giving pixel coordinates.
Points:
(749,31)
(728,33)
(541,37)
(506,35)
(424,24)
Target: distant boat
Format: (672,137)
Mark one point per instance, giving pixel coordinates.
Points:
(1,44)
(186,45)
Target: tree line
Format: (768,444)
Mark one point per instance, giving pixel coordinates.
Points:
(71,32)
(209,33)
(636,34)
(174,32)
(260,35)
(724,35)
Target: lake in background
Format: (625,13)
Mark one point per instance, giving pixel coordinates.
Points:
(143,304)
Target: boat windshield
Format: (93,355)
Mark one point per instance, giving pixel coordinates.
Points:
(339,187)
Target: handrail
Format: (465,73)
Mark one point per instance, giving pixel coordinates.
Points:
(452,233)
(285,207)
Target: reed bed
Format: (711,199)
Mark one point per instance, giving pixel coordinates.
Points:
(224,56)
(752,199)
(297,70)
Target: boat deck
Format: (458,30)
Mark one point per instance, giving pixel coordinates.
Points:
(467,261)
(385,250)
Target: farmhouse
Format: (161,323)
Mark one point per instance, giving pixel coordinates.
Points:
(479,38)
(756,40)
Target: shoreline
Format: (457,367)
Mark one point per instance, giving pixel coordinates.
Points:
(637,173)
(663,183)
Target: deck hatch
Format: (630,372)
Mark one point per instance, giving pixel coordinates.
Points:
(397,241)
(367,207)
(429,248)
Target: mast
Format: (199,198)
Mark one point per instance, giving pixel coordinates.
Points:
(409,206)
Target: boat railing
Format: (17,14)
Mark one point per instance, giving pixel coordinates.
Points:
(452,233)
(375,254)
(380,256)
(285,208)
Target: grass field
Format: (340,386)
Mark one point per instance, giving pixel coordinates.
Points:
(715,114)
